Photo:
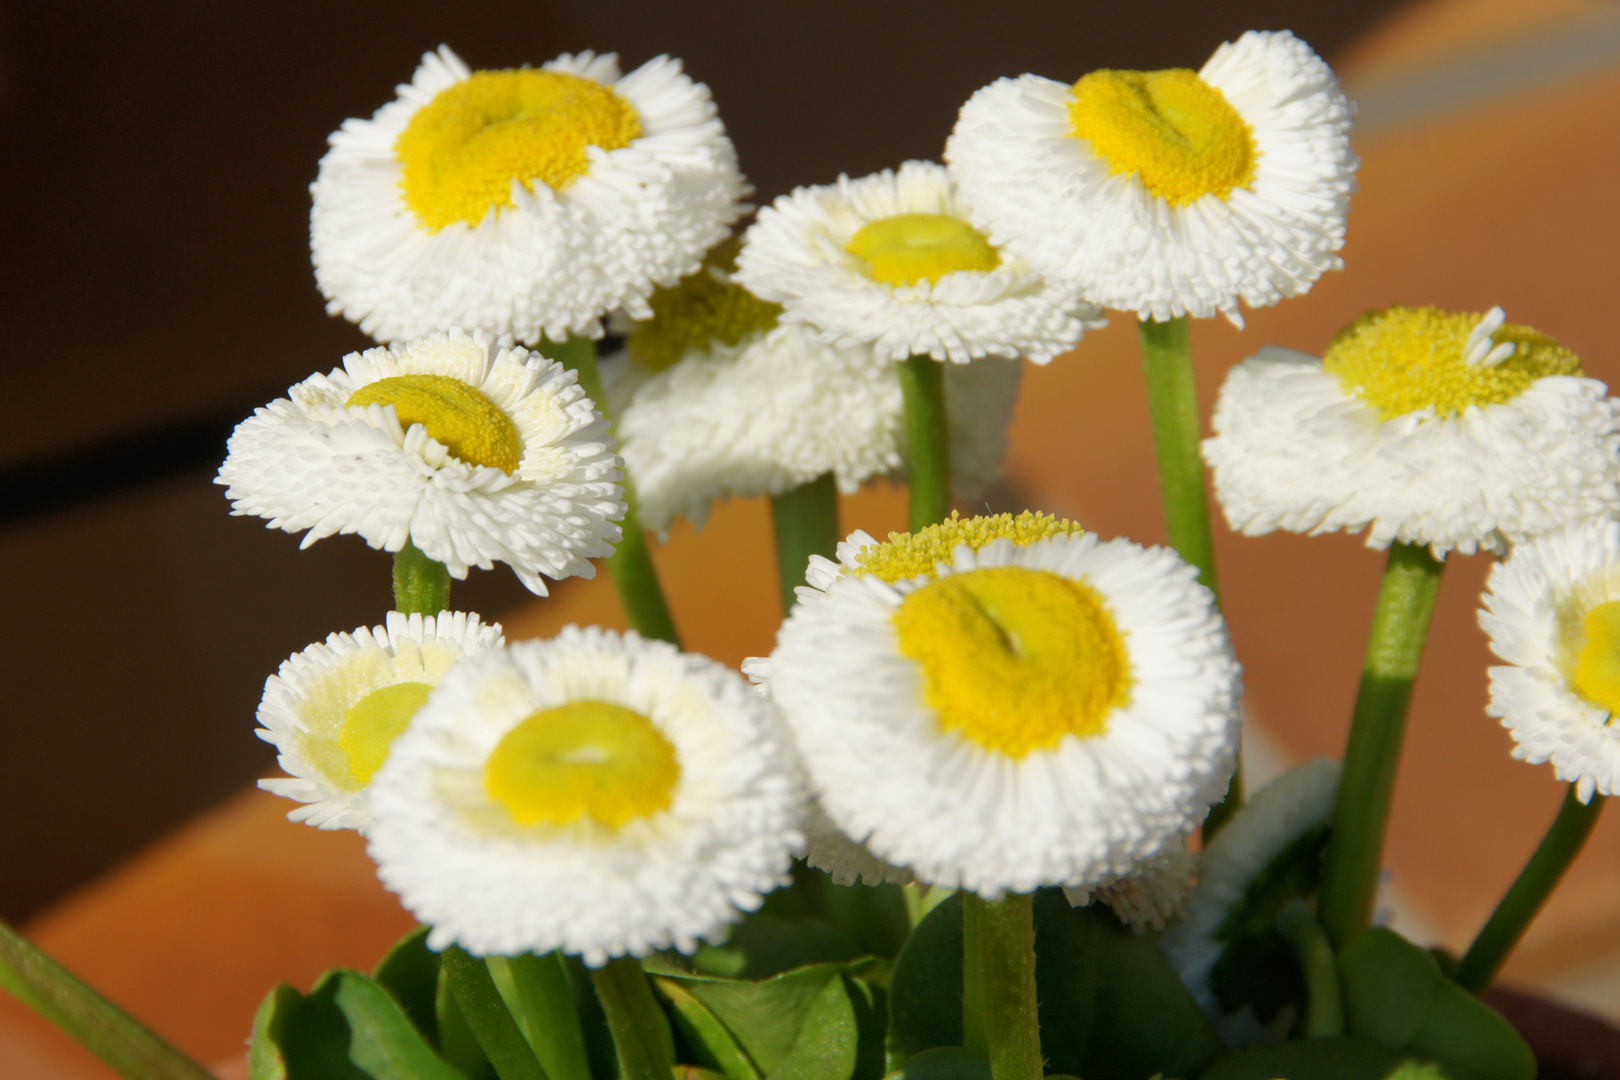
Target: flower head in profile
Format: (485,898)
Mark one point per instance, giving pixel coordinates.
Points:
(1167,193)
(891,261)
(333,710)
(528,202)
(600,794)
(1552,611)
(716,396)
(472,449)
(1002,704)
(1454,431)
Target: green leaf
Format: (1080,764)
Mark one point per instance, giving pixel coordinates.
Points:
(382,1041)
(270,1023)
(925,992)
(545,1011)
(488,1016)
(599,1048)
(1396,995)
(1111,1006)
(1309,1059)
(1256,966)
(315,1042)
(410,972)
(705,1035)
(764,945)
(871,1002)
(826,1047)
(943,1063)
(457,1042)
(874,917)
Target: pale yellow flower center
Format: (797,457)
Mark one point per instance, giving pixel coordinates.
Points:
(1597,666)
(908,555)
(1403,359)
(461,151)
(701,310)
(586,759)
(908,248)
(471,426)
(1015,659)
(1178,133)
(371,725)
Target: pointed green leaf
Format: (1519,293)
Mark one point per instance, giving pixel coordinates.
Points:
(545,1011)
(1309,1059)
(457,1042)
(711,1043)
(925,992)
(410,972)
(383,1042)
(943,1063)
(827,1043)
(871,1002)
(762,945)
(270,1023)
(488,1017)
(599,1048)
(316,1041)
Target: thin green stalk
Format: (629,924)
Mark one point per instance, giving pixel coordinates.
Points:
(127,1046)
(1324,1008)
(999,980)
(490,1020)
(640,1031)
(421,586)
(631,566)
(806,524)
(1507,924)
(548,1016)
(1355,851)
(1172,393)
(928,433)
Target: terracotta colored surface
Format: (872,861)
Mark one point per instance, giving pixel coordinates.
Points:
(1506,204)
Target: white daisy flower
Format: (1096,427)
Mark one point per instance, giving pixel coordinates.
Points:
(891,261)
(1552,611)
(1168,193)
(1453,431)
(333,710)
(471,448)
(598,794)
(528,202)
(1279,834)
(716,398)
(1009,715)
(846,861)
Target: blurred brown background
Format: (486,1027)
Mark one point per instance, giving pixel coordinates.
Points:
(159,288)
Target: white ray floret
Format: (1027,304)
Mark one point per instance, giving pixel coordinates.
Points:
(312,462)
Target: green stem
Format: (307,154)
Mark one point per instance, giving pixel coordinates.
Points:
(1355,851)
(806,524)
(421,586)
(1324,1009)
(640,1031)
(999,982)
(1172,393)
(928,433)
(490,1020)
(1535,883)
(546,1001)
(631,566)
(127,1046)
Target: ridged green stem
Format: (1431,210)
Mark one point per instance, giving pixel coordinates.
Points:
(631,566)
(421,586)
(999,1017)
(805,520)
(127,1046)
(1540,876)
(1355,851)
(634,1018)
(928,433)
(1172,393)
(1324,1007)
(491,1021)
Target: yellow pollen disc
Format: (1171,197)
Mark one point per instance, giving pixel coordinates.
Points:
(461,151)
(586,759)
(1597,668)
(1403,359)
(1015,659)
(908,248)
(703,309)
(372,723)
(473,427)
(1171,128)
(906,555)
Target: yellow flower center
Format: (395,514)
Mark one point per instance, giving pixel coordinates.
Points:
(1014,658)
(703,309)
(461,151)
(1403,359)
(473,427)
(1597,666)
(908,555)
(1173,129)
(372,724)
(908,248)
(586,759)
